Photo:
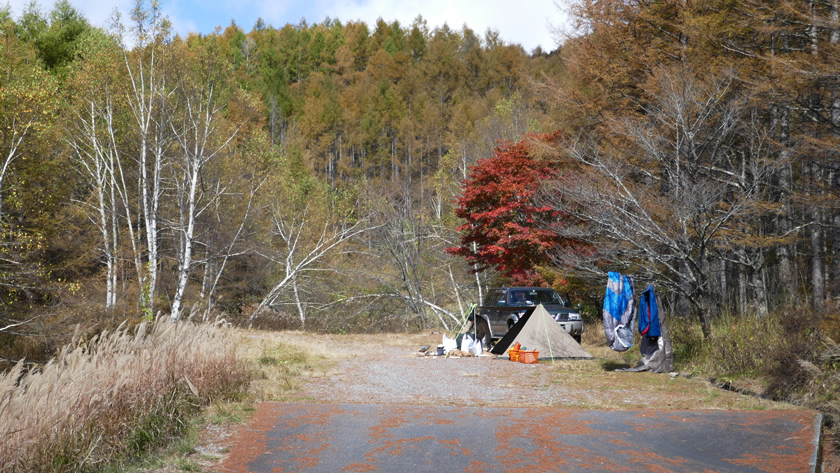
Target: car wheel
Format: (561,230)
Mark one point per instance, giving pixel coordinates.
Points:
(577,338)
(483,334)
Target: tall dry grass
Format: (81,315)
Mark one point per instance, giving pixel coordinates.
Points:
(114,396)
(791,352)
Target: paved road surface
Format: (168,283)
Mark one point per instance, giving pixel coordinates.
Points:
(300,437)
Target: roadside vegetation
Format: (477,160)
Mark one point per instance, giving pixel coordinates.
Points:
(789,356)
(115,396)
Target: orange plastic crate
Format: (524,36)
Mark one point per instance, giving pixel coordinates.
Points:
(529,356)
(514,354)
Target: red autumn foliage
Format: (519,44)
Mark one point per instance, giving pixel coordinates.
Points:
(502,219)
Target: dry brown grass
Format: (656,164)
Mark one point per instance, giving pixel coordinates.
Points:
(114,396)
(284,360)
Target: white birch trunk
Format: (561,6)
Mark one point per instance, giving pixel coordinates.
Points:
(199,143)
(455,288)
(187,242)
(11,155)
(205,279)
(300,307)
(477,278)
(146,86)
(97,160)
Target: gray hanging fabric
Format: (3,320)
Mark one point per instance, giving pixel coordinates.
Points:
(657,352)
(655,347)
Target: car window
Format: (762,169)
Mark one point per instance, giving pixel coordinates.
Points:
(520,298)
(499,299)
(535,296)
(549,296)
(494,298)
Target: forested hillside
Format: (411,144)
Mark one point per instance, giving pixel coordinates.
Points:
(307,170)
(309,174)
(705,157)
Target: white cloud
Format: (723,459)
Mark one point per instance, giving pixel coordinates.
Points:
(94,11)
(528,22)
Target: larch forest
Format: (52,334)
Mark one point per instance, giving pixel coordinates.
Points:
(326,175)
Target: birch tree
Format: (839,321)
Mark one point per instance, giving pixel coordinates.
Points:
(146,95)
(309,225)
(304,243)
(201,134)
(98,140)
(91,135)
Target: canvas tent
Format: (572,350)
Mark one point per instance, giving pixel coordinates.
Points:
(537,330)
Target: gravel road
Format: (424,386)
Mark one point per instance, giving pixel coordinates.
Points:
(397,377)
(368,372)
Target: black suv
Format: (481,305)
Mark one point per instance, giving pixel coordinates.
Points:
(502,308)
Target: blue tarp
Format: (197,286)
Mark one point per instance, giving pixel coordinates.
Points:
(619,311)
(649,314)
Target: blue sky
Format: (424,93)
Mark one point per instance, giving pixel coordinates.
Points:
(526,22)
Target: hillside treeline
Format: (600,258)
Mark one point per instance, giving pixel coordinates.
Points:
(307,174)
(307,171)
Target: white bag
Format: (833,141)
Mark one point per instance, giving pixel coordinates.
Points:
(470,345)
(476,348)
(449,344)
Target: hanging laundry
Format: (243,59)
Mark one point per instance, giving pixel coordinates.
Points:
(619,311)
(657,352)
(649,314)
(655,347)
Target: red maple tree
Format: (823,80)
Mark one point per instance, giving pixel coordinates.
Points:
(502,228)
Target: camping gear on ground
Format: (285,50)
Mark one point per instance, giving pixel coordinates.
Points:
(538,331)
(619,311)
(463,342)
(449,344)
(440,351)
(529,356)
(513,352)
(470,345)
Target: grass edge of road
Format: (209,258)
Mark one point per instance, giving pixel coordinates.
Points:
(278,361)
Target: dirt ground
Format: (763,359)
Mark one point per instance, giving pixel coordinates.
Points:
(382,369)
(389,369)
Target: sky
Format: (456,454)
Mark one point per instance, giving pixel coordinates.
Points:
(526,22)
